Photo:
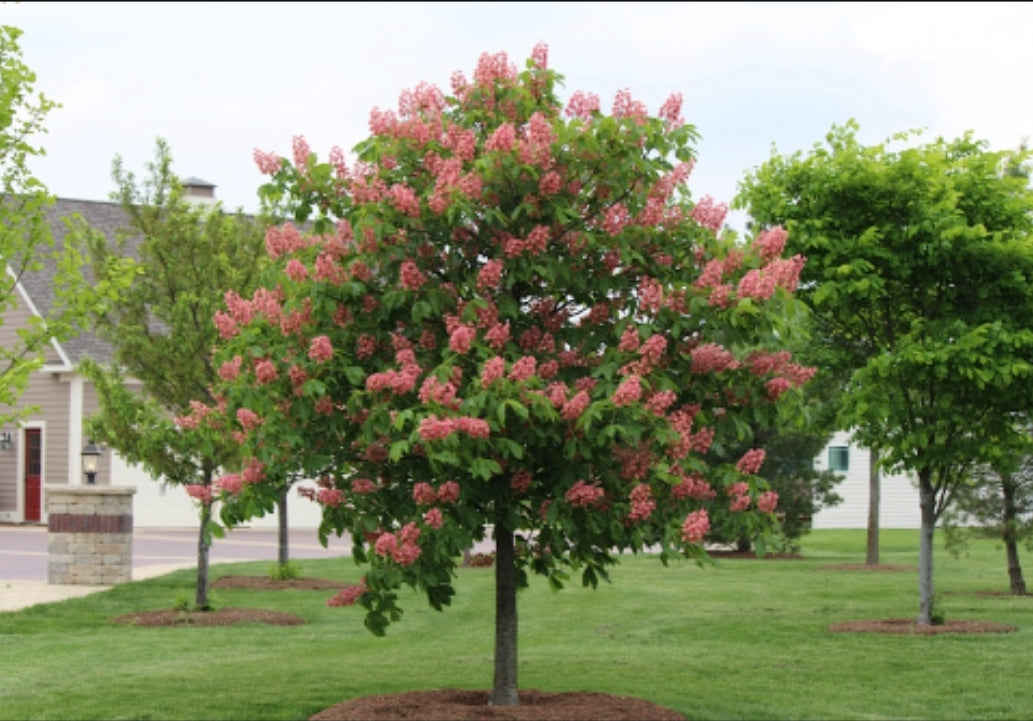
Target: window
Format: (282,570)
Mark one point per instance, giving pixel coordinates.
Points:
(839,458)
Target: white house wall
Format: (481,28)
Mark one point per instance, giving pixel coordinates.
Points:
(158,506)
(898,494)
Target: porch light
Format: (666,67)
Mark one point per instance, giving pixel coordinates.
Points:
(5,441)
(90,458)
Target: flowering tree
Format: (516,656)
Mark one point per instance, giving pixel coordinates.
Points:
(509,319)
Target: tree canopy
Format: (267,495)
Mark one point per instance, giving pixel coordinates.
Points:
(919,262)
(26,240)
(509,318)
(172,262)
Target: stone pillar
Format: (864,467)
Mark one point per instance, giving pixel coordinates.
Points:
(89,534)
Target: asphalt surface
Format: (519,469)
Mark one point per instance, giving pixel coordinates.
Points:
(23,557)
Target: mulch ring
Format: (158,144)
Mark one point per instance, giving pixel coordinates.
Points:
(867,567)
(908,627)
(266,583)
(174,617)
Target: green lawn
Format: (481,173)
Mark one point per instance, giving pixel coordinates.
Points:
(745,641)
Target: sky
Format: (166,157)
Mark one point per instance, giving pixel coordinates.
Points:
(218,80)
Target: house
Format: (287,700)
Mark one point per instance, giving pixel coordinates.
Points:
(45,449)
(898,493)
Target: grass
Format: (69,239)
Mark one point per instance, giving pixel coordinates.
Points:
(745,641)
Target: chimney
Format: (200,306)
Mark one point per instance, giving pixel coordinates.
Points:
(196,190)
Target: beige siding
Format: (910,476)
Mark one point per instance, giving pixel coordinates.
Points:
(898,495)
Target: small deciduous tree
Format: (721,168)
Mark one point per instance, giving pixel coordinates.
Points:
(26,241)
(918,268)
(510,319)
(172,263)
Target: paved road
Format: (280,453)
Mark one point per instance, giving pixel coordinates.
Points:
(23,557)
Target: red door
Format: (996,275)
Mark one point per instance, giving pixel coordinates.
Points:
(33,468)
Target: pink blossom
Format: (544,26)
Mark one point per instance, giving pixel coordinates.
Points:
(494,369)
(708,214)
(410,276)
(573,408)
(320,349)
(363,486)
(265,371)
(695,526)
(489,276)
(200,492)
(230,483)
(642,503)
(751,461)
(296,270)
(582,495)
(461,338)
(230,369)
(332,497)
(770,243)
(268,163)
(629,391)
(768,501)
(248,419)
(433,428)
(448,492)
(349,595)
(434,518)
(423,493)
(521,481)
(523,368)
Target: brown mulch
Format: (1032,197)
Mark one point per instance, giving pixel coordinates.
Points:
(266,583)
(907,626)
(165,617)
(458,705)
(867,567)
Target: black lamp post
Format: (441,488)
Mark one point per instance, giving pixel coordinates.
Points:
(90,458)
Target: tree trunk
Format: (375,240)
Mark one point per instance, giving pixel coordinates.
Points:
(203,546)
(283,557)
(1015,580)
(927,502)
(872,553)
(504,688)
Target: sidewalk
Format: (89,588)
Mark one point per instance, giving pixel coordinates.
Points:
(23,557)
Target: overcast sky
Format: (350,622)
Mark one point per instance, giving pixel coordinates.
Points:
(218,80)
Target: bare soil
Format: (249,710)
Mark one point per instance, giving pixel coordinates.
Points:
(448,704)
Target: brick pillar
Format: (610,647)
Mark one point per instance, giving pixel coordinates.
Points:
(89,534)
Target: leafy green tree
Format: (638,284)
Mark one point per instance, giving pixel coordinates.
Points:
(26,242)
(509,319)
(172,262)
(918,268)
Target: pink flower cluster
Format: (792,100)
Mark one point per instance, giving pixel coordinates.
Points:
(768,501)
(695,526)
(693,486)
(320,349)
(751,461)
(583,495)
(200,493)
(628,392)
(739,493)
(401,547)
(433,428)
(709,214)
(711,357)
(642,503)
(434,391)
(348,596)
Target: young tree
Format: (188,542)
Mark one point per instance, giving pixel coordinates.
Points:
(918,267)
(172,263)
(26,242)
(999,506)
(509,319)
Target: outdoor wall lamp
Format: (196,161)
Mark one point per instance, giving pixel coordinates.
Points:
(90,458)
(5,441)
